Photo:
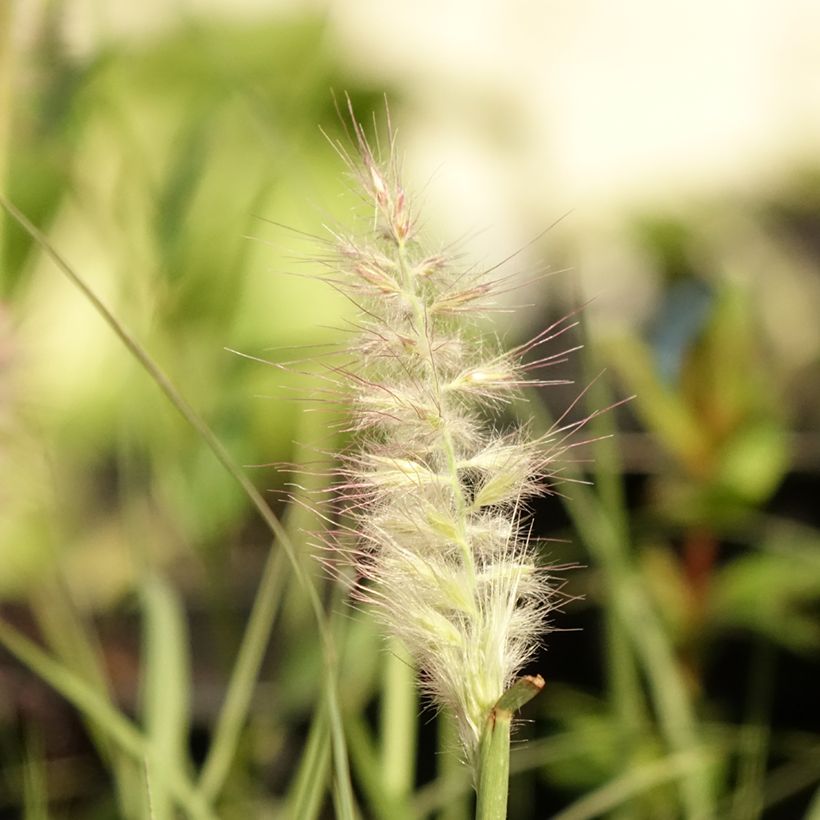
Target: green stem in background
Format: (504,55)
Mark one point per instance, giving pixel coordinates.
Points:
(634,782)
(307,790)
(494,767)
(243,676)
(369,776)
(344,789)
(605,541)
(625,693)
(109,719)
(813,812)
(747,803)
(638,618)
(35,783)
(625,696)
(398,722)
(494,748)
(452,770)
(74,643)
(165,688)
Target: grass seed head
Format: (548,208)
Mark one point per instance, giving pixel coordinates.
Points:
(436,496)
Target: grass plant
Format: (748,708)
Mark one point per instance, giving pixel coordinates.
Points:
(436,494)
(210,668)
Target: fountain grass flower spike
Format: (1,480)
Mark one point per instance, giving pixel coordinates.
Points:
(435,494)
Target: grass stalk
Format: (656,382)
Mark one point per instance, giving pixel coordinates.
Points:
(35,784)
(343,785)
(629,785)
(637,617)
(108,718)
(244,674)
(165,686)
(307,792)
(494,749)
(494,767)
(605,540)
(399,721)
(451,769)
(625,692)
(383,804)
(74,644)
(747,802)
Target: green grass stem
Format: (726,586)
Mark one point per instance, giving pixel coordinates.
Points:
(166,686)
(308,788)
(109,719)
(494,767)
(35,784)
(244,674)
(606,542)
(343,785)
(494,749)
(398,722)
(625,691)
(617,792)
(747,802)
(367,765)
(74,643)
(452,771)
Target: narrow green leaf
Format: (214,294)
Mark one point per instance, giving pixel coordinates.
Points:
(165,686)
(73,641)
(662,409)
(398,722)
(35,787)
(245,671)
(310,784)
(494,765)
(344,788)
(109,719)
(637,616)
(454,776)
(521,692)
(627,697)
(383,804)
(628,786)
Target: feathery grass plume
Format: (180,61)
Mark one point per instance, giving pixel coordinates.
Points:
(438,494)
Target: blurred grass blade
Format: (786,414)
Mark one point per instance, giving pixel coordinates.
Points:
(310,784)
(603,539)
(35,786)
(110,720)
(369,775)
(638,618)
(243,676)
(343,784)
(398,722)
(606,463)
(451,770)
(662,410)
(747,802)
(641,779)
(626,694)
(813,812)
(73,641)
(165,687)
(234,711)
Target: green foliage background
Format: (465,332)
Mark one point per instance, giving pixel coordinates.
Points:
(133,558)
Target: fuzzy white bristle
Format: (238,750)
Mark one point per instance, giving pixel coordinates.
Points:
(436,494)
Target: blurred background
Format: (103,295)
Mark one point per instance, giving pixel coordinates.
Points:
(674,149)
